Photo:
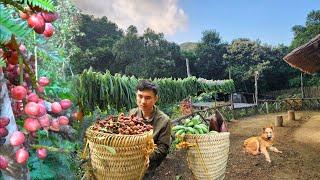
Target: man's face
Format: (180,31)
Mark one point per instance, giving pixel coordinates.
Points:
(146,100)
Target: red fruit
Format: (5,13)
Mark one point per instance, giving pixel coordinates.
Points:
(32,97)
(24,15)
(22,156)
(31,124)
(55,126)
(3,132)
(41,101)
(4,121)
(56,107)
(42,153)
(44,121)
(32,109)
(42,109)
(40,89)
(12,57)
(43,81)
(22,48)
(10,67)
(17,138)
(3,162)
(18,92)
(63,120)
(49,17)
(48,31)
(65,103)
(36,22)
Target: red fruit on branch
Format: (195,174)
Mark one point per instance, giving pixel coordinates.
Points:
(49,17)
(56,107)
(22,48)
(63,120)
(3,162)
(24,15)
(17,138)
(42,109)
(65,103)
(43,81)
(48,31)
(44,121)
(3,132)
(22,156)
(32,97)
(32,109)
(12,57)
(18,92)
(40,89)
(55,126)
(42,153)
(4,121)
(31,124)
(41,101)
(37,22)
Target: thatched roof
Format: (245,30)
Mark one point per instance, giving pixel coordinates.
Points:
(306,57)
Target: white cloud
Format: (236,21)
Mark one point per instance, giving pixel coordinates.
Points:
(160,15)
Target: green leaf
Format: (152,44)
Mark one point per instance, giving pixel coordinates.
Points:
(43,4)
(2,62)
(10,26)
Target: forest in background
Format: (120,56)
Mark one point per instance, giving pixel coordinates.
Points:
(104,46)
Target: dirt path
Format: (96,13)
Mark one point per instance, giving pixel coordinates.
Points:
(299,140)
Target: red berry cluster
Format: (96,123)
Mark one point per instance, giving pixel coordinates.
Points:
(40,22)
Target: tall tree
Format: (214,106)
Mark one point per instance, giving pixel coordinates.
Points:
(128,51)
(244,58)
(303,34)
(210,63)
(96,43)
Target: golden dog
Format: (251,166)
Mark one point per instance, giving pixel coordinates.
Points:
(257,144)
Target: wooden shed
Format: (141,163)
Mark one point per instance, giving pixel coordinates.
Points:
(306,57)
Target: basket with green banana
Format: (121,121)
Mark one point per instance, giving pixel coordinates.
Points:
(192,125)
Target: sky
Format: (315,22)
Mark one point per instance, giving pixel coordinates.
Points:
(270,21)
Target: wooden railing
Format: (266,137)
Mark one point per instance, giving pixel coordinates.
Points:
(264,107)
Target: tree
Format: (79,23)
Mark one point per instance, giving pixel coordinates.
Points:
(128,51)
(302,34)
(244,58)
(97,38)
(210,63)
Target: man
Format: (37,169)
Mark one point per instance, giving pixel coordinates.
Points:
(146,100)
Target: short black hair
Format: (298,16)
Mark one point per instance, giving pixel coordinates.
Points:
(145,84)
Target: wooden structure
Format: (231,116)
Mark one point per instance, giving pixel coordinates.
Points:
(278,121)
(306,57)
(291,116)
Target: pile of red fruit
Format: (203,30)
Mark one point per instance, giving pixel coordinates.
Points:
(4,121)
(40,22)
(122,125)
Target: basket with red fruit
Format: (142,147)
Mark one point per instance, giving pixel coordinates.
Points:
(129,137)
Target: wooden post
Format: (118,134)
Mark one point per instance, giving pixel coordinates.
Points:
(267,107)
(291,116)
(188,67)
(302,93)
(278,121)
(256,76)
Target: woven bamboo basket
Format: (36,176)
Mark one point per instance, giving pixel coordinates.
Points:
(208,156)
(131,158)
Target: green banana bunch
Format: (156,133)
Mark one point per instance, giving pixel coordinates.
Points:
(191,126)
